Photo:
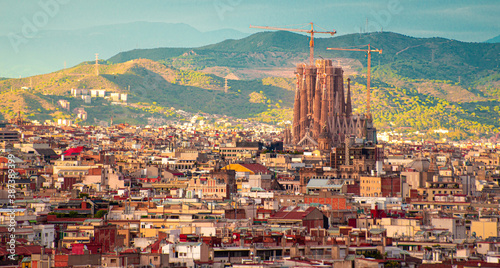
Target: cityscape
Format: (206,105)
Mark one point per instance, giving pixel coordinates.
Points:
(286,146)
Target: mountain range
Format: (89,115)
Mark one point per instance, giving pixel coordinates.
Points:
(49,50)
(495,39)
(419,85)
(278,49)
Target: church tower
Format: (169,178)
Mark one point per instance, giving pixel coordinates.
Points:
(323,109)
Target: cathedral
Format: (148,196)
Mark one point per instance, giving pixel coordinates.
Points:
(322,112)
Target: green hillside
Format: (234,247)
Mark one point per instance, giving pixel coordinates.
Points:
(418,84)
(414,58)
(406,110)
(153,90)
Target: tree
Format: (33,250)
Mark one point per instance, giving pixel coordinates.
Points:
(392,264)
(100,214)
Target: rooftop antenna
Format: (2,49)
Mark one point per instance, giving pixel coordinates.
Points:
(97,64)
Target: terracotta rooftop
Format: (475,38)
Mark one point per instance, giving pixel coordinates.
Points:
(293,213)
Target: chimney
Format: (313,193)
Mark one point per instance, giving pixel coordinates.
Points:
(335,252)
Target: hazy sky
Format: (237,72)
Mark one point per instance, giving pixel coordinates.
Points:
(465,20)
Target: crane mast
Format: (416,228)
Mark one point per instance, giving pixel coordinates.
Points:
(369,51)
(311,32)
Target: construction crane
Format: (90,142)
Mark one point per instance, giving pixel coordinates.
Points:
(369,51)
(312,32)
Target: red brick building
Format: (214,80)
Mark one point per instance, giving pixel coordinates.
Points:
(391,186)
(106,236)
(309,217)
(337,202)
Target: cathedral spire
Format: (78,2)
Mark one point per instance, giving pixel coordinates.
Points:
(296,111)
(317,106)
(324,106)
(348,108)
(339,99)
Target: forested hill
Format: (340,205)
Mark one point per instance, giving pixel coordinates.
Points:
(153,89)
(415,58)
(431,87)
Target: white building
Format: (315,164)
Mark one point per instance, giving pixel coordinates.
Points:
(455,226)
(64,122)
(186,253)
(77,91)
(94,93)
(41,207)
(45,234)
(399,227)
(64,104)
(87,99)
(115,96)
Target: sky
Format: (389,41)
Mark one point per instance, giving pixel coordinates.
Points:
(464,20)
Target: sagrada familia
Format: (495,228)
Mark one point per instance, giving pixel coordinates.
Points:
(322,112)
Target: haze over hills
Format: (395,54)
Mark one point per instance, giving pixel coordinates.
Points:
(280,49)
(153,90)
(419,84)
(495,39)
(47,51)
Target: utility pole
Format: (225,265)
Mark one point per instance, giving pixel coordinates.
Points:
(368,76)
(311,42)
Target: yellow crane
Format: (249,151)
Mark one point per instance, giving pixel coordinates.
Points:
(369,50)
(312,32)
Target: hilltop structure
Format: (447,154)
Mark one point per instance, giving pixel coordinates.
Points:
(322,112)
